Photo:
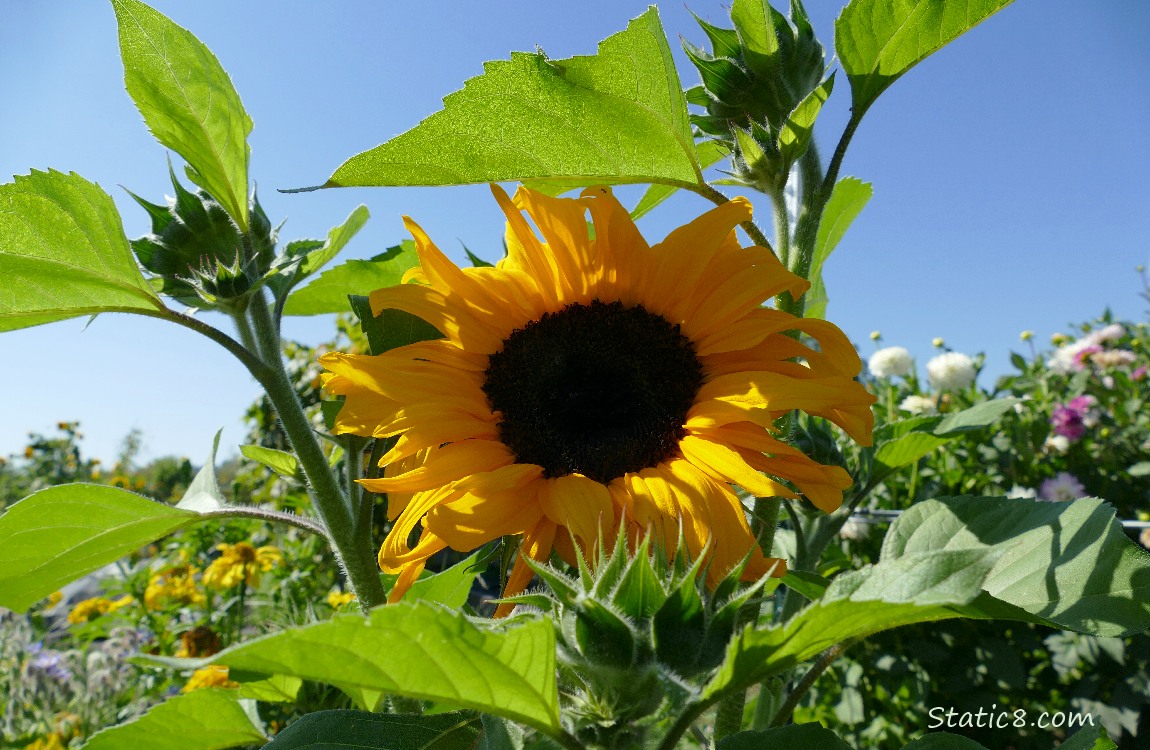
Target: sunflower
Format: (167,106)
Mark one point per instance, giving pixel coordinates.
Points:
(590,380)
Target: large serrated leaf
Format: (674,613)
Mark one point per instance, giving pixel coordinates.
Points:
(63,253)
(329,292)
(201,720)
(1068,564)
(62,533)
(618,116)
(859,603)
(363,730)
(879,40)
(419,651)
(188,102)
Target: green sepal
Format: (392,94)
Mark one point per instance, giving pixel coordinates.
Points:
(603,635)
(679,626)
(390,329)
(640,593)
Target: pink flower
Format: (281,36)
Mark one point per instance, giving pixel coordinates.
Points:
(1139,373)
(1072,419)
(1062,488)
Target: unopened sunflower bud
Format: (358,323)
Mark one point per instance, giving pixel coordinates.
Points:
(197,250)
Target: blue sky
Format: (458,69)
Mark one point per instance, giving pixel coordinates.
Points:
(1009,171)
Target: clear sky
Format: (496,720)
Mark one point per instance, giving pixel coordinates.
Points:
(1010,174)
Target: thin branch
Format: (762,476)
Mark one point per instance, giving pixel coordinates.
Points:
(264,514)
(828,657)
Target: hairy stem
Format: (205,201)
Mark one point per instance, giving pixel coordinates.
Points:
(353,550)
(265,514)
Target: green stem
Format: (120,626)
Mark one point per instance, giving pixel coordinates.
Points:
(828,657)
(686,719)
(729,718)
(352,549)
(266,514)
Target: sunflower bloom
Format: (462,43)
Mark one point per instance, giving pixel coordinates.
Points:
(174,585)
(590,380)
(240,563)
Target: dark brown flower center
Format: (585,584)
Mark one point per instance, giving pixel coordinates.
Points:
(599,389)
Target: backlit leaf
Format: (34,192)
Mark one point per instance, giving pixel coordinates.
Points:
(879,40)
(328,293)
(63,253)
(62,533)
(188,102)
(618,116)
(849,198)
(415,650)
(207,719)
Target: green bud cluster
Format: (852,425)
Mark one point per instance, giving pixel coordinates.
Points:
(199,254)
(635,630)
(755,78)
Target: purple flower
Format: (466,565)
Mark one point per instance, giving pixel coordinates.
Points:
(1071,420)
(48,662)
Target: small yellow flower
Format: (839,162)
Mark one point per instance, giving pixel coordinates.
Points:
(1026,335)
(96,607)
(240,563)
(1059,339)
(54,598)
(51,742)
(876,336)
(337,599)
(211,676)
(937,342)
(173,585)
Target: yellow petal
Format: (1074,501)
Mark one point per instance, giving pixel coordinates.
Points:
(536,545)
(446,464)
(582,505)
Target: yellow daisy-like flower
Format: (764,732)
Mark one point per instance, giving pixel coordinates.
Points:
(240,563)
(95,607)
(590,380)
(211,676)
(338,599)
(52,742)
(174,585)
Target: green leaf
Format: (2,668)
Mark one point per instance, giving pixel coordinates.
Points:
(328,293)
(976,417)
(879,40)
(847,200)
(449,587)
(281,462)
(305,257)
(795,135)
(500,735)
(809,585)
(807,736)
(204,494)
(206,719)
(707,153)
(275,689)
(188,102)
(943,741)
(1140,469)
(63,253)
(911,439)
(391,328)
(1089,738)
(62,533)
(363,730)
(618,116)
(1069,564)
(415,650)
(859,603)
